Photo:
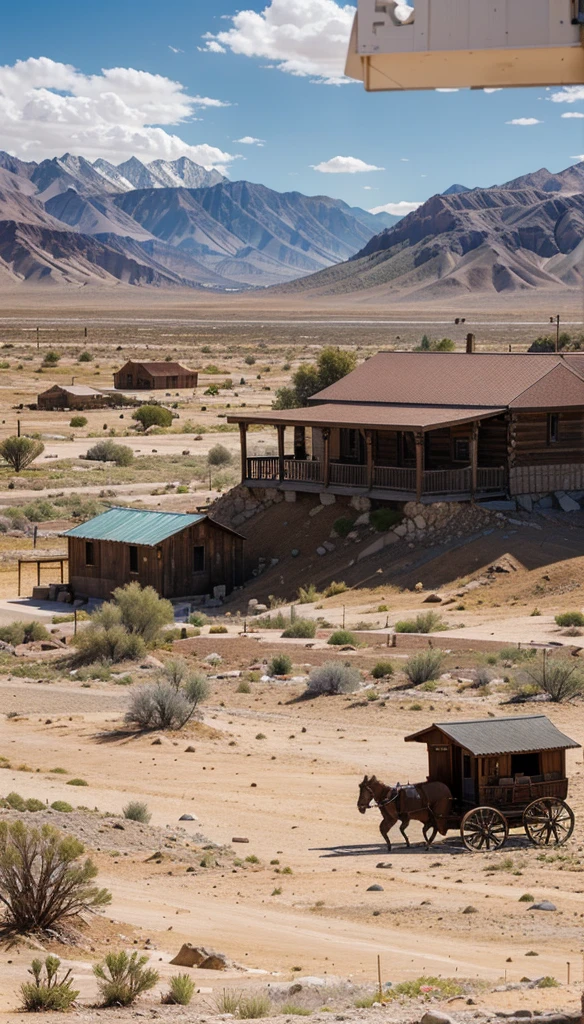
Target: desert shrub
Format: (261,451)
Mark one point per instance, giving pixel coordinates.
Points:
(445,987)
(382,519)
(218,629)
(23,632)
(308,594)
(425,622)
(219,455)
(78,421)
(332,678)
(76,782)
(548,982)
(47,991)
(343,526)
(122,978)
(304,629)
(15,801)
(100,670)
(335,588)
(515,655)
(62,805)
(570,619)
(42,881)
(423,666)
(293,1010)
(85,357)
(198,619)
(152,416)
(106,639)
(136,810)
(243,687)
(228,1001)
(280,665)
(181,990)
(558,677)
(51,358)
(143,612)
(166,705)
(271,621)
(382,670)
(254,1006)
(32,804)
(20,452)
(341,637)
(109,451)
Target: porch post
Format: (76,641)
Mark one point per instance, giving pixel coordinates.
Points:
(243,447)
(369,451)
(281,428)
(419,439)
(474,447)
(326,437)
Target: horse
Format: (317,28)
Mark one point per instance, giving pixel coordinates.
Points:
(428,802)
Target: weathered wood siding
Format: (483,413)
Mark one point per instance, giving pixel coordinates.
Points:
(57,398)
(136,377)
(530,444)
(169,567)
(493,442)
(545,479)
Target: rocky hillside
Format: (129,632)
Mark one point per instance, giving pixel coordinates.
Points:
(526,234)
(168,223)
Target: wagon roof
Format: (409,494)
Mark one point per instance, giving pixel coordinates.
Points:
(485,736)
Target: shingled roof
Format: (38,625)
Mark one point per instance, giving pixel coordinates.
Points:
(490,736)
(162,369)
(479,380)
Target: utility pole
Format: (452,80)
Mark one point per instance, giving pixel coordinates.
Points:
(556,320)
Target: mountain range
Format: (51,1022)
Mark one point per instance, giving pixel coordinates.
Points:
(526,234)
(166,223)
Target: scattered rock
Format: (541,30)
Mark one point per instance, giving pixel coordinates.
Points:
(215,962)
(321,551)
(375,888)
(239,839)
(432,599)
(470,910)
(383,864)
(190,956)
(326,498)
(187,817)
(566,503)
(544,905)
(436,1017)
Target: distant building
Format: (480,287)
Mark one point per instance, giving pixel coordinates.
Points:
(179,554)
(72,396)
(134,376)
(432,426)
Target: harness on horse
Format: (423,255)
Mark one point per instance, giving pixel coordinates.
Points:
(410,792)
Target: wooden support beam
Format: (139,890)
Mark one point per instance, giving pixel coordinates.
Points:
(243,447)
(326,437)
(474,448)
(369,454)
(281,431)
(419,439)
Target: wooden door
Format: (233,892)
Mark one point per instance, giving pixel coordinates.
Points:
(440,764)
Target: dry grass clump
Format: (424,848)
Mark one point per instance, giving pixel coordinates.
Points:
(47,991)
(424,666)
(332,678)
(122,978)
(425,622)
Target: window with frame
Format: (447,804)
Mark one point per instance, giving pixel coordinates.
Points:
(553,428)
(133,558)
(198,558)
(89,553)
(461,449)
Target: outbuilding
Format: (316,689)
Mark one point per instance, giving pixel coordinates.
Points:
(179,554)
(72,396)
(139,376)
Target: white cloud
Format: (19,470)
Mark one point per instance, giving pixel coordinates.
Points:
(301,37)
(569,94)
(213,47)
(404,159)
(573,113)
(579,157)
(175,49)
(48,108)
(345,165)
(250,140)
(446,90)
(525,122)
(397,209)
(492,90)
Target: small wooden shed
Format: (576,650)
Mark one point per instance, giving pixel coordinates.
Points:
(179,554)
(72,396)
(498,762)
(148,376)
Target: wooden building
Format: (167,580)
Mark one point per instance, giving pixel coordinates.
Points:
(72,396)
(179,554)
(163,376)
(432,426)
(498,762)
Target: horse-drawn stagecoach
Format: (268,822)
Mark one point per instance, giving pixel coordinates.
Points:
(485,777)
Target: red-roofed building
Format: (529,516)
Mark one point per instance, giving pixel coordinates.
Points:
(163,376)
(432,426)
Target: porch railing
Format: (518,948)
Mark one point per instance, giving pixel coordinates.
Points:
(394,478)
(308,470)
(492,478)
(347,475)
(265,468)
(447,481)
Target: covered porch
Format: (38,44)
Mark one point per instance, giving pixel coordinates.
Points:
(399,453)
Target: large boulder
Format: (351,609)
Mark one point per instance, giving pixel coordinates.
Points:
(190,956)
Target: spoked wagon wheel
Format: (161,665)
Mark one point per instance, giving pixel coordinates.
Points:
(548,821)
(483,828)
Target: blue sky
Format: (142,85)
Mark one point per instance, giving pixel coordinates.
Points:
(260,71)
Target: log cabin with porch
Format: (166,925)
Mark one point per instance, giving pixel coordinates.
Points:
(431,426)
(148,376)
(179,554)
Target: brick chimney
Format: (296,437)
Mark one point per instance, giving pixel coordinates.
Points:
(470,343)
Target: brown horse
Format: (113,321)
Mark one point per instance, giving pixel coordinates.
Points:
(428,802)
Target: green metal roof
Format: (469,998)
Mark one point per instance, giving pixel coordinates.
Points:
(486,736)
(134,526)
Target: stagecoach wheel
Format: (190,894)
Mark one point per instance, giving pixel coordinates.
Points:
(483,828)
(548,821)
